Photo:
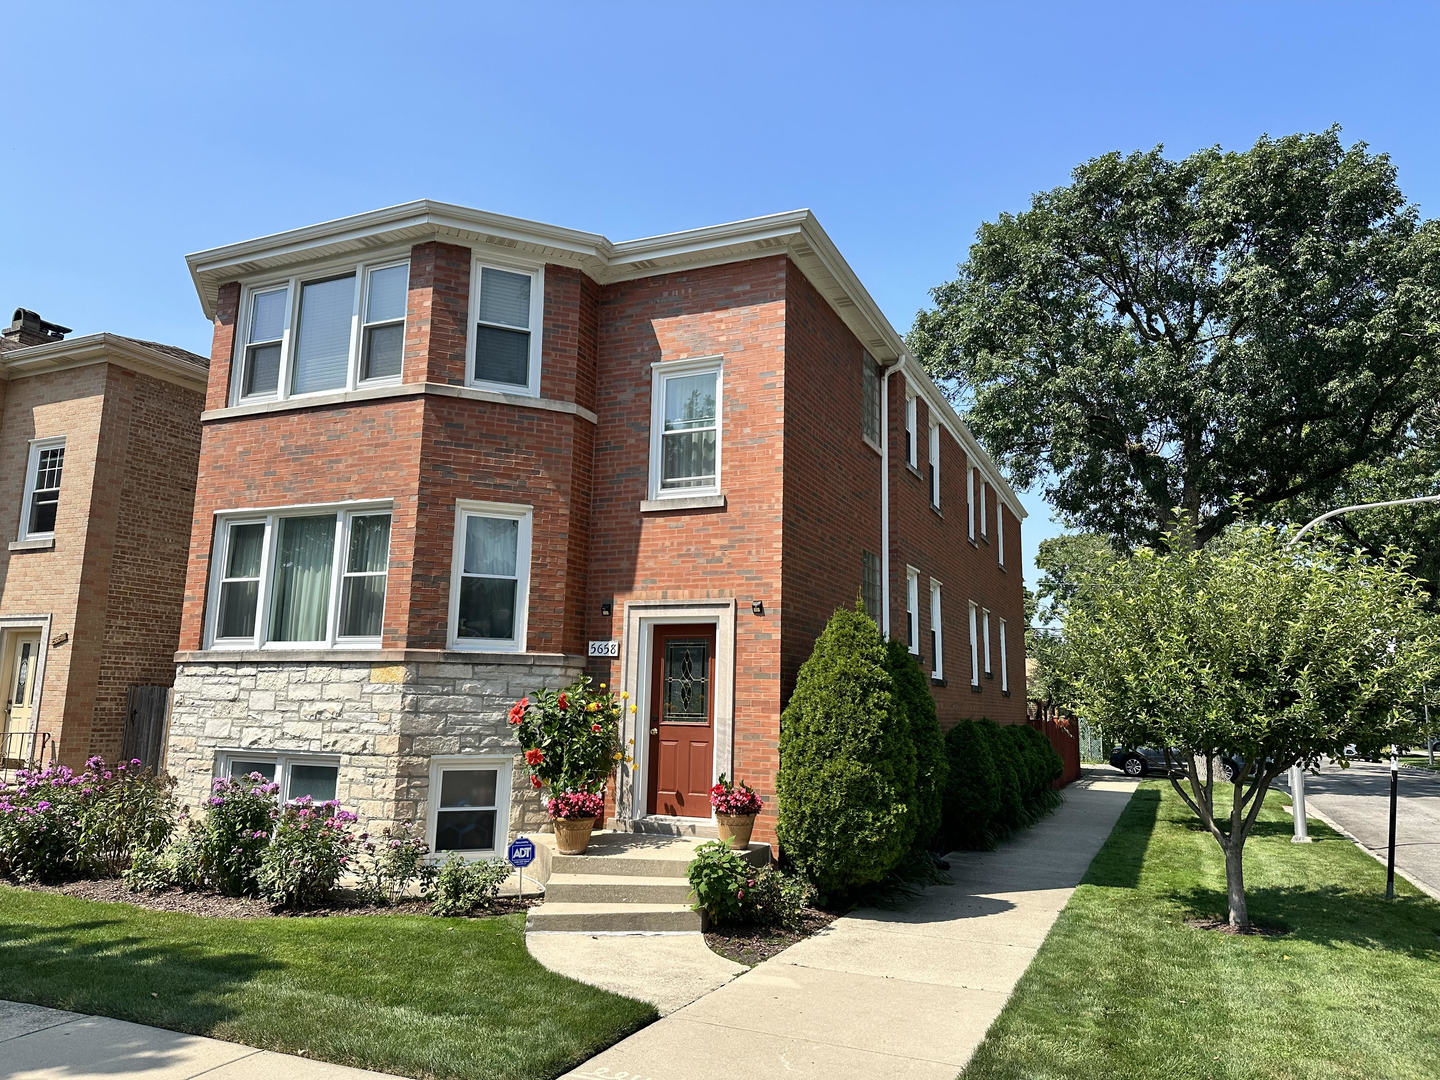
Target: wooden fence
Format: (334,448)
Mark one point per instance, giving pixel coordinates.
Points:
(145,723)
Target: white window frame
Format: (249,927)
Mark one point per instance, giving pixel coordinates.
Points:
(985,640)
(937,662)
(934,451)
(284,761)
(984,510)
(504,768)
(1004,662)
(344,514)
(912,608)
(970,500)
(660,372)
(1000,534)
(536,327)
(974,645)
(912,432)
(293,284)
(525,515)
(32,472)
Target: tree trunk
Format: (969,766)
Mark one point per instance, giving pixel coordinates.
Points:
(1235,885)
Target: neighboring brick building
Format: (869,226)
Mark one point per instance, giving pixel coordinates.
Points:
(424,492)
(99,440)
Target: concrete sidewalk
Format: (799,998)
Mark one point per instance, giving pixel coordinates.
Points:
(905,992)
(47,1044)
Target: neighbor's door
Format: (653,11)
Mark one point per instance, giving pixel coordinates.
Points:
(22,648)
(682,720)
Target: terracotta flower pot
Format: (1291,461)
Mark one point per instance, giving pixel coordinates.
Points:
(572,835)
(735,829)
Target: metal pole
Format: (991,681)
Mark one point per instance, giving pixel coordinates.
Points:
(1297,799)
(1394,799)
(1429,736)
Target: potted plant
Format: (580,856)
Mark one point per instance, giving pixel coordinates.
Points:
(735,806)
(571,741)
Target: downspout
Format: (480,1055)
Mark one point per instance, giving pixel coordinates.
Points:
(890,367)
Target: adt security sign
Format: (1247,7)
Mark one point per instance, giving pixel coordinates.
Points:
(521,851)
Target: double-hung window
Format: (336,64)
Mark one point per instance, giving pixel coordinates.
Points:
(1004,662)
(870,589)
(685,421)
(490,582)
(298,775)
(985,640)
(970,501)
(912,609)
(506,306)
(935,465)
(870,400)
(984,510)
(42,489)
(974,645)
(1000,534)
(912,450)
(469,805)
(322,333)
(937,637)
(302,577)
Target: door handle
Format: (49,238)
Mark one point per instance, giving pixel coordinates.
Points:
(654,731)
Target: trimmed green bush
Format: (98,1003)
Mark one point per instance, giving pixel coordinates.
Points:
(847,770)
(915,706)
(1010,815)
(972,788)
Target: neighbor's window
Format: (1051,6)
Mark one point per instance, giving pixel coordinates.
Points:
(984,510)
(870,414)
(42,489)
(970,500)
(685,429)
(505,307)
(912,450)
(297,775)
(309,335)
(1000,533)
(490,585)
(870,584)
(912,609)
(306,577)
(935,465)
(469,801)
(937,639)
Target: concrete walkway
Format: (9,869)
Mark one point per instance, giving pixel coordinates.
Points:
(47,1044)
(905,992)
(667,970)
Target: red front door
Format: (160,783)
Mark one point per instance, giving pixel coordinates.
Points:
(682,720)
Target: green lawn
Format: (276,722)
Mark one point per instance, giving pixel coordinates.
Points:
(1122,988)
(1423,761)
(418,996)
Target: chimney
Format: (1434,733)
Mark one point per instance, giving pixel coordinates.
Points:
(27,328)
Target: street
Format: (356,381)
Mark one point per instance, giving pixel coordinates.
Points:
(1358,799)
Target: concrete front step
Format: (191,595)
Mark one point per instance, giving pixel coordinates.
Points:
(616,889)
(637,855)
(555,915)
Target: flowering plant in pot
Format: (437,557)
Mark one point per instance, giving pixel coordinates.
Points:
(571,742)
(735,804)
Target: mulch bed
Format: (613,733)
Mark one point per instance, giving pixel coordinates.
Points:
(240,907)
(749,945)
(1222,926)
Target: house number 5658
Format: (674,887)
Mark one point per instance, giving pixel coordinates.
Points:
(604,648)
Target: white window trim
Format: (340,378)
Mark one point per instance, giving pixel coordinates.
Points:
(284,761)
(504,768)
(220,545)
(912,605)
(659,373)
(912,432)
(1004,662)
(985,638)
(293,284)
(536,327)
(1000,534)
(934,452)
(974,646)
(984,510)
(32,466)
(970,499)
(513,511)
(937,662)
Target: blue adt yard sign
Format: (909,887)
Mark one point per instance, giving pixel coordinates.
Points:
(521,852)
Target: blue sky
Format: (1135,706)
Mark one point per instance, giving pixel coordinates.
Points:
(133,134)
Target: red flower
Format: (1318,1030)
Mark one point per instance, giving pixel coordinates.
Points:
(595,728)
(517,711)
(535,781)
(534,757)
(563,702)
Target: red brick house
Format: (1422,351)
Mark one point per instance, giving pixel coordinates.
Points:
(450,456)
(99,440)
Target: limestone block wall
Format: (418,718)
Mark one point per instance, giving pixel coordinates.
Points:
(384,720)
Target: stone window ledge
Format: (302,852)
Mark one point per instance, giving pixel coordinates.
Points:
(683,502)
(45,544)
(374,656)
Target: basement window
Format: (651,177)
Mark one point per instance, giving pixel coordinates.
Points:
(469,806)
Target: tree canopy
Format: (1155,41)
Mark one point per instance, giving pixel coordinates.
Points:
(1252,650)
(1160,336)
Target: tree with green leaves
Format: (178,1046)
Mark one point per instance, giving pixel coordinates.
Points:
(1251,650)
(1161,336)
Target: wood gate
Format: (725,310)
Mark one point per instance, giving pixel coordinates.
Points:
(145,722)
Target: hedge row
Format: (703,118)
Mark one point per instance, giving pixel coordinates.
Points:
(1000,779)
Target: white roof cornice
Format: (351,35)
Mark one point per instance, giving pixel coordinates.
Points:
(795,233)
(115,349)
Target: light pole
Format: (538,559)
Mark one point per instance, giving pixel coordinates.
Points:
(1297,774)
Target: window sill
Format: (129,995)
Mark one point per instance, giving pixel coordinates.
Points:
(373,392)
(975,688)
(937,680)
(373,656)
(937,511)
(44,543)
(683,502)
(989,674)
(1004,693)
(913,471)
(872,445)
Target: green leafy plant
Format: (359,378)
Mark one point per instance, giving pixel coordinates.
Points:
(972,788)
(394,864)
(230,840)
(915,707)
(309,851)
(718,879)
(571,737)
(463,886)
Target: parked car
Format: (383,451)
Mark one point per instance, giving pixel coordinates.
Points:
(1148,760)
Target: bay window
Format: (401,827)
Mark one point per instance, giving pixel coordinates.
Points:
(490,582)
(685,423)
(324,332)
(506,307)
(312,577)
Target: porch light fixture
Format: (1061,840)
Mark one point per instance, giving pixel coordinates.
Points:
(607,609)
(757,607)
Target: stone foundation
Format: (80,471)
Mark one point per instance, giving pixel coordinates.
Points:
(384,719)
